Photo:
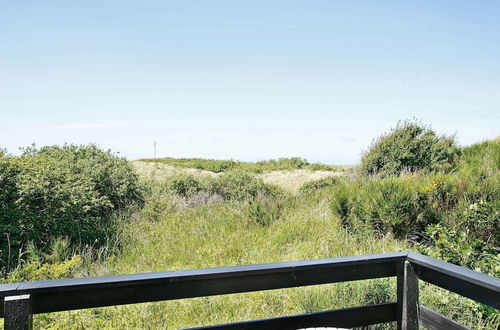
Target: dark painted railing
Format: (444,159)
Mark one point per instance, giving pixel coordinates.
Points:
(22,300)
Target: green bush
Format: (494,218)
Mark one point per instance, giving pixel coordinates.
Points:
(403,206)
(220,166)
(185,190)
(453,216)
(454,244)
(214,165)
(58,263)
(241,185)
(285,164)
(330,181)
(265,210)
(481,159)
(282,164)
(184,185)
(159,204)
(481,220)
(69,191)
(9,215)
(177,193)
(341,205)
(410,147)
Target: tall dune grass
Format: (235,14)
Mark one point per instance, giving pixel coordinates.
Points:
(222,234)
(198,219)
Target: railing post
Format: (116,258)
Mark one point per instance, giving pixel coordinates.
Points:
(17,313)
(407,296)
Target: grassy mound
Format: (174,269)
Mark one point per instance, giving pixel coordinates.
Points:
(219,166)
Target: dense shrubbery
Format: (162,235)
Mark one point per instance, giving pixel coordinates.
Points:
(183,191)
(240,185)
(410,147)
(213,165)
(70,191)
(233,185)
(402,206)
(219,166)
(283,164)
(265,210)
(449,210)
(236,218)
(57,263)
(454,215)
(184,185)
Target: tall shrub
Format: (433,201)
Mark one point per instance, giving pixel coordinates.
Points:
(241,185)
(69,191)
(409,147)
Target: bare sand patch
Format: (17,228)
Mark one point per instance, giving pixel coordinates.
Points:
(294,179)
(290,180)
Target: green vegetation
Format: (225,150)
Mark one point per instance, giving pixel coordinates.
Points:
(219,166)
(232,232)
(408,148)
(212,165)
(447,207)
(239,185)
(55,192)
(314,185)
(454,216)
(233,185)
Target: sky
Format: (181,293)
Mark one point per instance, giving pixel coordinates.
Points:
(245,80)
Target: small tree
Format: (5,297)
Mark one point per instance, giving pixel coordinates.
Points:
(409,147)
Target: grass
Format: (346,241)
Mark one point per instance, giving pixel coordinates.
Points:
(290,180)
(293,180)
(219,166)
(174,232)
(160,171)
(223,234)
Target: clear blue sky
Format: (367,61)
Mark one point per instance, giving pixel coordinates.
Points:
(245,80)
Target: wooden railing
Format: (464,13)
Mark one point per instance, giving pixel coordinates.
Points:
(22,300)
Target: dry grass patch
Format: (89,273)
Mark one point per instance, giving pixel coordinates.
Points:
(159,171)
(293,180)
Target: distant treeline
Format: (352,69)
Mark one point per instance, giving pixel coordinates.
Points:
(219,166)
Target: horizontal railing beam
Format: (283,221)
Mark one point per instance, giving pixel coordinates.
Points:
(460,280)
(433,320)
(340,318)
(63,295)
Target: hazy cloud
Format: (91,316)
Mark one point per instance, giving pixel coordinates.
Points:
(90,125)
(348,139)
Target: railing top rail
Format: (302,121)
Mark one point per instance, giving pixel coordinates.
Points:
(8,289)
(468,283)
(455,271)
(129,280)
(61,295)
